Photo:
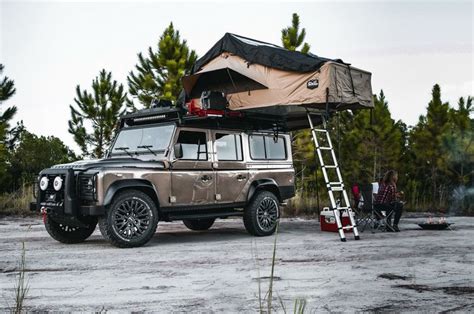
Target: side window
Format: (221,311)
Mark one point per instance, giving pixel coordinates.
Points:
(228,146)
(194,145)
(257,147)
(265,147)
(275,150)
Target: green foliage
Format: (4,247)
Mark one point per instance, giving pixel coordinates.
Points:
(458,142)
(435,158)
(371,142)
(305,163)
(33,154)
(7,90)
(292,37)
(158,76)
(95,116)
(426,147)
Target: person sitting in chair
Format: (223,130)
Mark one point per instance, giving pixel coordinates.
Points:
(387,199)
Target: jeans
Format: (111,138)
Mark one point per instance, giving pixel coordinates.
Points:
(396,207)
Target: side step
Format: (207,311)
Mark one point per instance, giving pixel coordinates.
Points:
(197,215)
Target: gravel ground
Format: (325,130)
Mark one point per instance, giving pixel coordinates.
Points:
(219,270)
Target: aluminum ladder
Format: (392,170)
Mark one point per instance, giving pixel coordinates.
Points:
(333,186)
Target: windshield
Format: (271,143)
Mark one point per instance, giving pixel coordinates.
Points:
(152,140)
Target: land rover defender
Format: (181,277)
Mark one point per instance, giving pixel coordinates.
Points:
(162,166)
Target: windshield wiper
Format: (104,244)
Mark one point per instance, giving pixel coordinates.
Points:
(148,148)
(125,149)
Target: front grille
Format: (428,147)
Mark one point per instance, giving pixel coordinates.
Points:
(87,187)
(50,195)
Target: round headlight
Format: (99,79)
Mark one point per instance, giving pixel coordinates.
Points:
(58,183)
(44,183)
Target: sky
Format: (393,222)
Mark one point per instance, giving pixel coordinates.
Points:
(48,48)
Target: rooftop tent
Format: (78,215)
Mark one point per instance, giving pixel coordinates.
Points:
(265,78)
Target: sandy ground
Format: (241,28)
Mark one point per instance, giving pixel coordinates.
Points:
(219,270)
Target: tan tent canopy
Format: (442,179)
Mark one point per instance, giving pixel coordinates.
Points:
(251,86)
(261,77)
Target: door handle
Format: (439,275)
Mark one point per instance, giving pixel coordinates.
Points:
(206,178)
(241,177)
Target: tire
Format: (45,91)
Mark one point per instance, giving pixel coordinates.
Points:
(199,224)
(261,214)
(68,234)
(131,219)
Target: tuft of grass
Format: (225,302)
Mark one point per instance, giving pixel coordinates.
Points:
(299,304)
(304,205)
(18,202)
(272,272)
(21,285)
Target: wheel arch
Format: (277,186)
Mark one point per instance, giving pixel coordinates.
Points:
(268,184)
(142,185)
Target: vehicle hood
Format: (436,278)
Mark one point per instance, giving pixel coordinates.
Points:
(111,163)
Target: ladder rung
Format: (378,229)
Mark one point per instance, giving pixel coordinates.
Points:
(336,183)
(324,148)
(330,166)
(336,188)
(347,227)
(320,130)
(342,208)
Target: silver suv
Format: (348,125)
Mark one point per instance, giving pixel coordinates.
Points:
(164,167)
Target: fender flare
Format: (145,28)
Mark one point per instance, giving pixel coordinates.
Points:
(264,184)
(141,184)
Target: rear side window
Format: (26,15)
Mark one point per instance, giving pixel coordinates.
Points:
(194,145)
(267,147)
(228,147)
(275,149)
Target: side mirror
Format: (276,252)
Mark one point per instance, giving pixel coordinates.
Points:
(178,150)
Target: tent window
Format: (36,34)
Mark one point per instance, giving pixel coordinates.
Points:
(265,147)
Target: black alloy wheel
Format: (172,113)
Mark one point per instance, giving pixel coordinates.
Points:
(262,213)
(131,219)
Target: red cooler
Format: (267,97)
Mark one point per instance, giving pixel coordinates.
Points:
(328,222)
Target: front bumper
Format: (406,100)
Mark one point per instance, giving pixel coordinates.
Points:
(94,210)
(69,203)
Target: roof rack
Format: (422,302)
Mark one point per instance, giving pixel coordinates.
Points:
(246,120)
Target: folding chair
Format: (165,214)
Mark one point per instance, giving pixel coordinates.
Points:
(365,210)
(375,219)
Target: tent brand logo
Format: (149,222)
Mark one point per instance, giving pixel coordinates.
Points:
(312,84)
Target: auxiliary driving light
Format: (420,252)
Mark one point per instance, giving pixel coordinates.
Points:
(44,183)
(58,183)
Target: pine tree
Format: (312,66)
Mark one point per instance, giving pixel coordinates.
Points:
(7,90)
(95,115)
(372,142)
(459,142)
(158,76)
(303,147)
(292,38)
(426,144)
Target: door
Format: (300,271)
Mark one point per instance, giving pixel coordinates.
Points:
(192,177)
(230,167)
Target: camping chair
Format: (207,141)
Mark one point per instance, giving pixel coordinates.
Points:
(376,220)
(365,209)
